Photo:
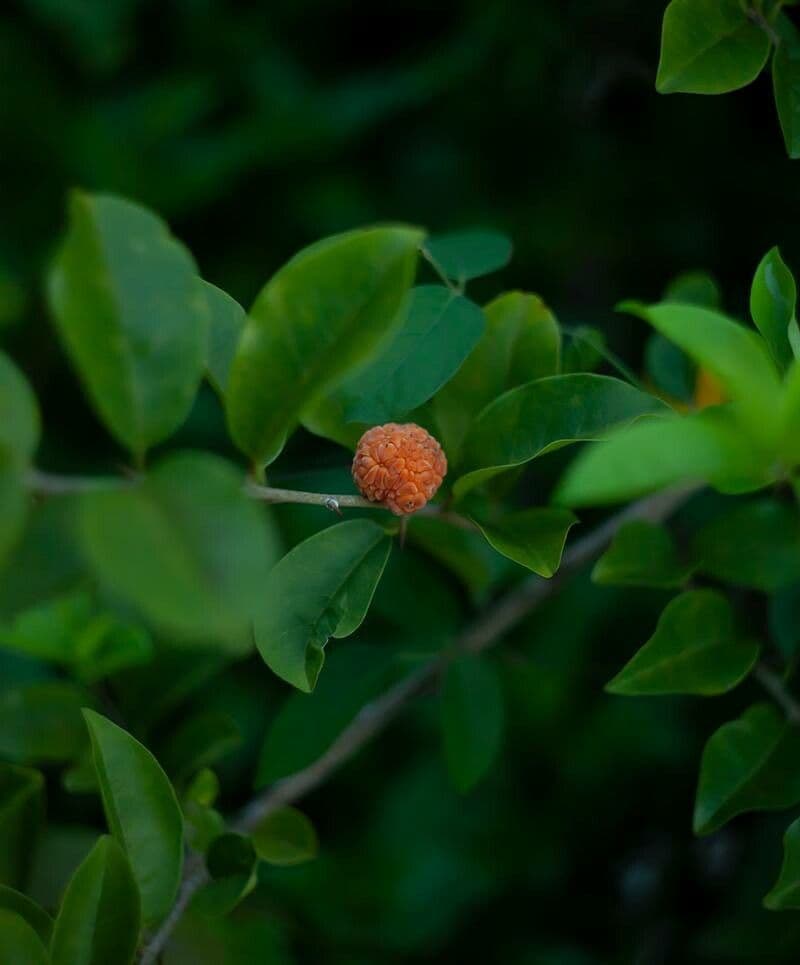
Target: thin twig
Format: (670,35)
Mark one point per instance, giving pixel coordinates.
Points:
(484,633)
(775,686)
(49,484)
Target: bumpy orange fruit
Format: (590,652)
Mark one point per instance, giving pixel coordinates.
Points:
(400,466)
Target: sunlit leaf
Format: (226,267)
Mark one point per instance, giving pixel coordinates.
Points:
(522,342)
(709,47)
(322,314)
(773,298)
(133,316)
(142,812)
(541,416)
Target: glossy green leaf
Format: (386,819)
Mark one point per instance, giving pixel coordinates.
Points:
(186,546)
(19,943)
(786,83)
(472,719)
(694,288)
(749,764)
(706,447)
(709,47)
(142,812)
(227,321)
(522,342)
(695,649)
(641,554)
(133,316)
(536,418)
(734,354)
(98,922)
(438,331)
(322,314)
(15,901)
(307,724)
(321,589)
(757,544)
(534,538)
(784,619)
(19,414)
(773,298)
(21,813)
(785,893)
(285,837)
(463,255)
(199,741)
(42,722)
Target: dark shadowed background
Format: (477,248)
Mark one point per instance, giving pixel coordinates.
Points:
(256,128)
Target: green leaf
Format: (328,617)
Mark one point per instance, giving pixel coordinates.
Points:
(321,589)
(734,354)
(786,83)
(25,907)
(42,723)
(671,370)
(186,546)
(98,921)
(232,864)
(307,724)
(584,350)
(784,619)
(438,331)
(107,645)
(641,554)
(773,298)
(285,837)
(706,447)
(463,255)
(749,764)
(142,812)
(694,288)
(19,943)
(709,47)
(522,342)
(19,414)
(227,323)
(322,314)
(199,741)
(694,650)
(534,538)
(21,813)
(472,719)
(785,893)
(133,316)
(536,418)
(756,545)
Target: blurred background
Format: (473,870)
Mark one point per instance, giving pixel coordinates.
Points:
(255,128)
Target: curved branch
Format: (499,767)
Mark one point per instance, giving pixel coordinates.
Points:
(484,633)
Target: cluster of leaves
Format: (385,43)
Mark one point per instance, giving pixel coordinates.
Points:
(175,564)
(702,644)
(171,572)
(716,46)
